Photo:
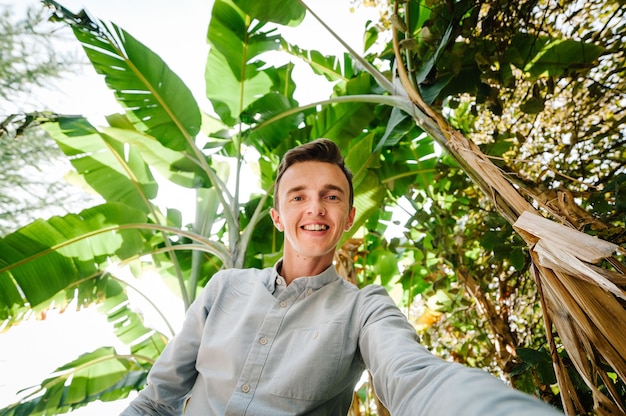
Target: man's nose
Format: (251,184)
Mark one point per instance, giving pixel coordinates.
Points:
(316,208)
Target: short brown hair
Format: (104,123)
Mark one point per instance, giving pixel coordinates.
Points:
(319,150)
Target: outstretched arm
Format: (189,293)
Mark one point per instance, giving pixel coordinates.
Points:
(174,373)
(410,380)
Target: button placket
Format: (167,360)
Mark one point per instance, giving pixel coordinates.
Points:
(266,334)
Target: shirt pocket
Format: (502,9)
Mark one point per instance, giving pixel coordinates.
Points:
(310,364)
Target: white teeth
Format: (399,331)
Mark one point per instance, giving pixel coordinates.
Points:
(315,227)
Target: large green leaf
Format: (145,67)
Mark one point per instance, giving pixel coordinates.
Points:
(46,258)
(117,172)
(129,325)
(178,167)
(233,36)
(399,126)
(539,56)
(368,197)
(156,99)
(102,374)
(343,121)
(234,78)
(368,191)
(285,12)
(270,134)
(333,68)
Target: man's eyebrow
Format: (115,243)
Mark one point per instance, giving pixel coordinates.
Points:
(332,187)
(328,187)
(296,189)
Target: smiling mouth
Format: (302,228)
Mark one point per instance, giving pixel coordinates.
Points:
(315,227)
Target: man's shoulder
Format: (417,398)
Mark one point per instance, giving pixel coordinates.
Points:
(363,295)
(374,295)
(373,289)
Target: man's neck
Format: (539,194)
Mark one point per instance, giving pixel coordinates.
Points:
(292,269)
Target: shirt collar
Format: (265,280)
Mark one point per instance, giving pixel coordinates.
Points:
(309,282)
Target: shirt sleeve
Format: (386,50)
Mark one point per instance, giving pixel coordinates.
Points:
(174,373)
(410,380)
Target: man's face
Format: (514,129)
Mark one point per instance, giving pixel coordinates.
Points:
(313,210)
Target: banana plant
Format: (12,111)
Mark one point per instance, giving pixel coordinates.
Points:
(163,136)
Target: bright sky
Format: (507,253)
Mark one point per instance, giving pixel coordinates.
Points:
(175,31)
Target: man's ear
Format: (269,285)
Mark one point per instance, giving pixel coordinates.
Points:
(351,216)
(276,219)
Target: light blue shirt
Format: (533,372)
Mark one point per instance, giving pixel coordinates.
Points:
(251,345)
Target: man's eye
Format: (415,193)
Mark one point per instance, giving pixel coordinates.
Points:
(333,197)
(297,198)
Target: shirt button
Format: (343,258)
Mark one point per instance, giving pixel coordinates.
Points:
(309,292)
(283,304)
(245,388)
(263,340)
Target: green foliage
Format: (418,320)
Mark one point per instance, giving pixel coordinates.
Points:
(496,72)
(277,11)
(537,360)
(232,64)
(101,374)
(158,102)
(64,250)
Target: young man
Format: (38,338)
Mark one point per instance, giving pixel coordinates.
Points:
(295,339)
